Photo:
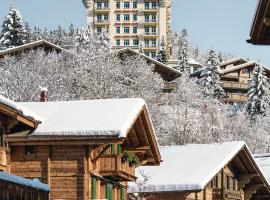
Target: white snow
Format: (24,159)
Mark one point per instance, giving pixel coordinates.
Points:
(21,109)
(187,167)
(106,117)
(263,160)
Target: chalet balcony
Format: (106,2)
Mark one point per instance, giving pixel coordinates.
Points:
(234,97)
(113,166)
(219,194)
(3,159)
(235,85)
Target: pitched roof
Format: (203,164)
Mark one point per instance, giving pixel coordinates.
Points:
(102,117)
(237,67)
(188,167)
(31,45)
(160,67)
(36,184)
(263,161)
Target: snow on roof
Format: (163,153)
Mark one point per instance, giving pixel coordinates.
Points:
(187,167)
(237,67)
(103,117)
(263,160)
(231,61)
(30,45)
(192,61)
(23,181)
(20,109)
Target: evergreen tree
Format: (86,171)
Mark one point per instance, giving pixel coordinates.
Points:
(141,48)
(104,39)
(162,54)
(13,30)
(183,59)
(36,34)
(28,33)
(258,93)
(210,80)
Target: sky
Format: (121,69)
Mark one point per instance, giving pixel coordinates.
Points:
(219,24)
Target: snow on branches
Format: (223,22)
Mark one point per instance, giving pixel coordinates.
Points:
(162,54)
(183,58)
(13,32)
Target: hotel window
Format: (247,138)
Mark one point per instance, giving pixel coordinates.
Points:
(135,30)
(99,18)
(117,30)
(30,150)
(154,30)
(154,5)
(99,29)
(134,4)
(154,18)
(135,42)
(99,4)
(135,16)
(146,30)
(118,4)
(126,42)
(126,17)
(118,17)
(117,42)
(106,17)
(153,54)
(146,5)
(106,5)
(126,29)
(147,53)
(126,4)
(146,17)
(146,43)
(154,42)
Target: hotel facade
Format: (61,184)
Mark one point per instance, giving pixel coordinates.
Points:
(132,23)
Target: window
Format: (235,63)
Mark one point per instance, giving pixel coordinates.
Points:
(154,30)
(146,53)
(126,17)
(99,4)
(153,54)
(126,42)
(118,4)
(99,30)
(135,4)
(126,29)
(126,5)
(135,29)
(135,16)
(154,42)
(106,17)
(154,5)
(146,30)
(146,17)
(117,42)
(106,5)
(117,30)
(118,17)
(99,18)
(146,43)
(154,18)
(30,150)
(135,42)
(146,5)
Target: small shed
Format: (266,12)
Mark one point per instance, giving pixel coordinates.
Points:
(14,187)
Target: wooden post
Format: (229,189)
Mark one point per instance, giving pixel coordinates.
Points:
(98,189)
(49,166)
(86,174)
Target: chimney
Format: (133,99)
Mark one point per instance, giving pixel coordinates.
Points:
(44,95)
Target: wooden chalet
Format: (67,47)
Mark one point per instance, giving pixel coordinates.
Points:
(225,171)
(17,188)
(79,148)
(40,44)
(260,29)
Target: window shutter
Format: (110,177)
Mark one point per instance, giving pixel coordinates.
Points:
(122,193)
(119,149)
(108,191)
(112,149)
(93,188)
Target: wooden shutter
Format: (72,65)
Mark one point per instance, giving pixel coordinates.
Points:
(119,149)
(122,193)
(93,188)
(109,189)
(112,149)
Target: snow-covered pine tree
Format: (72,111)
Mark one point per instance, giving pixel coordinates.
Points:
(13,31)
(162,54)
(210,80)
(258,93)
(141,48)
(183,57)
(175,46)
(28,33)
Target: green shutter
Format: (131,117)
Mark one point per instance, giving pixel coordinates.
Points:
(93,189)
(119,149)
(112,149)
(219,177)
(122,193)
(108,191)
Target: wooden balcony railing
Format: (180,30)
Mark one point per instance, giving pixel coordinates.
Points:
(112,166)
(219,194)
(234,97)
(169,85)
(235,85)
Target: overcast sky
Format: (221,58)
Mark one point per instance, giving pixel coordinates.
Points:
(222,25)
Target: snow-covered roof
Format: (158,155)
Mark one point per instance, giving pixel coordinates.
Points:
(20,109)
(102,117)
(188,167)
(237,67)
(36,184)
(29,46)
(231,61)
(263,160)
(192,61)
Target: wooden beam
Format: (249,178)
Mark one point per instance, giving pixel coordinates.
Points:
(251,190)
(141,149)
(243,180)
(133,137)
(105,148)
(149,160)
